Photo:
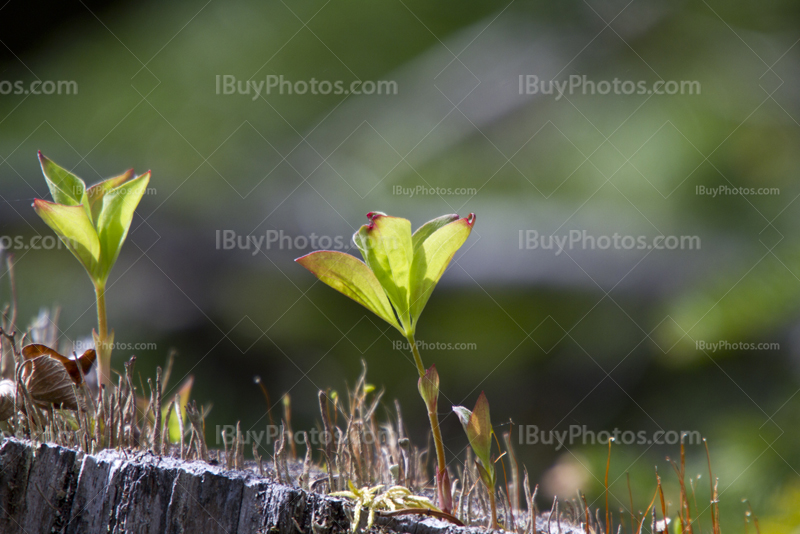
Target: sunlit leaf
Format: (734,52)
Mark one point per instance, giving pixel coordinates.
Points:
(478,427)
(432,255)
(351,277)
(386,246)
(406,267)
(424,232)
(65,187)
(115,218)
(98,191)
(72,225)
(184,392)
(479,431)
(463,415)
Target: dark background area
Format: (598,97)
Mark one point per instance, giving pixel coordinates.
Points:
(602,338)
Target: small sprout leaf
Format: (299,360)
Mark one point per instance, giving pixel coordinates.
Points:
(424,232)
(432,255)
(385,244)
(463,415)
(351,277)
(478,427)
(479,431)
(184,391)
(72,225)
(97,192)
(116,216)
(65,187)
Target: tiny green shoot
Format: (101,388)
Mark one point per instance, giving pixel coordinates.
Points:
(478,427)
(93,223)
(395,281)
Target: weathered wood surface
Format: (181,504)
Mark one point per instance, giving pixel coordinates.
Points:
(46,488)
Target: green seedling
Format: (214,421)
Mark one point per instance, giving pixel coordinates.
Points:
(93,223)
(395,281)
(478,427)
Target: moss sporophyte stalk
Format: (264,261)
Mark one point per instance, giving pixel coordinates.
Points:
(395,281)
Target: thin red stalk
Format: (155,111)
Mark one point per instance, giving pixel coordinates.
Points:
(634,523)
(608,465)
(711,482)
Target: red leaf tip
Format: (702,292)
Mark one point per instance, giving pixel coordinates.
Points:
(374,216)
(38,203)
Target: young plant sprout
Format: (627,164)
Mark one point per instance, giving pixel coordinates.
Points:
(395,283)
(478,426)
(93,223)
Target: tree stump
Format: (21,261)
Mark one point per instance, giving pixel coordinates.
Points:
(48,488)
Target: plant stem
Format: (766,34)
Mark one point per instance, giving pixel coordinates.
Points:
(493,504)
(437,440)
(104,348)
(417,357)
(433,416)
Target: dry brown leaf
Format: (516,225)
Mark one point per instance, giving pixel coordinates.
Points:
(49,376)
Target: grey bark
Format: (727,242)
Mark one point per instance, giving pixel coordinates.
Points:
(48,488)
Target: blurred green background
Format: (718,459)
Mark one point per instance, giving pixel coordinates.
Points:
(602,338)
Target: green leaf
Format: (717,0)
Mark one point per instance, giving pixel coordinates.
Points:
(115,219)
(479,431)
(463,415)
(478,427)
(486,474)
(351,277)
(65,187)
(428,386)
(72,225)
(184,391)
(386,246)
(424,232)
(432,255)
(97,192)
(357,239)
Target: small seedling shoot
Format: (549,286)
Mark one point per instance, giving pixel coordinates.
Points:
(93,223)
(478,427)
(395,281)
